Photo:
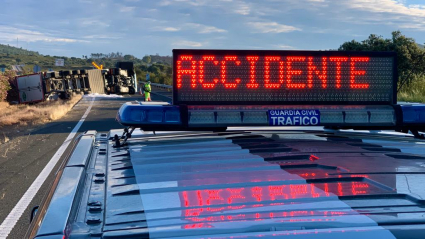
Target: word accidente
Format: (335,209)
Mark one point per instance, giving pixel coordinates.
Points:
(272,72)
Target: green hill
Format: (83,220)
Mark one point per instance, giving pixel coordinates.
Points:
(10,55)
(159,67)
(15,51)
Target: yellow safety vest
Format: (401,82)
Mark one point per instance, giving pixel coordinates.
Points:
(147,88)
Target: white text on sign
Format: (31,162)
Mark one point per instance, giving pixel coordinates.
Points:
(294,117)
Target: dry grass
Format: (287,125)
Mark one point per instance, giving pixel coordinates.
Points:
(35,114)
(414,93)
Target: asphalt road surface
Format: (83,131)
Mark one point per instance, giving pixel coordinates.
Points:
(25,157)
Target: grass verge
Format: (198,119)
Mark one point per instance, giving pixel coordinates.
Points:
(23,115)
(411,97)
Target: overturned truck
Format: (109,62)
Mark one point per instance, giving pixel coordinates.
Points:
(65,84)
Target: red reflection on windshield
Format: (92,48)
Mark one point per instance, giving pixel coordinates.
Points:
(256,193)
(228,196)
(313,158)
(276,191)
(203,205)
(235,193)
(294,216)
(359,188)
(270,193)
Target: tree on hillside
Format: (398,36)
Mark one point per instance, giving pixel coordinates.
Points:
(410,57)
(147,59)
(155,69)
(128,57)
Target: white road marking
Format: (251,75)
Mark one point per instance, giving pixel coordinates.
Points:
(9,223)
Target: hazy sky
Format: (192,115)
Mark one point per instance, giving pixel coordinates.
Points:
(140,27)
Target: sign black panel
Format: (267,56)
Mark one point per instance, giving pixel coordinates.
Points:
(283,77)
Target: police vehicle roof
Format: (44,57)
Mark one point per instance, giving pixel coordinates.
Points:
(245,183)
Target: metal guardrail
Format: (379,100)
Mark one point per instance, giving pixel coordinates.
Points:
(161,85)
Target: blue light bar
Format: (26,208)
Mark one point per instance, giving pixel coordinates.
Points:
(149,113)
(413,114)
(162,116)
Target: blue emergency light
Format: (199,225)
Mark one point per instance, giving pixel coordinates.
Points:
(148,113)
(162,116)
(414,114)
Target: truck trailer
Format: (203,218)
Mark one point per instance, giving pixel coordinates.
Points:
(64,84)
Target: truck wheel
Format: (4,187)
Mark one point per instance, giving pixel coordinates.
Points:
(64,95)
(65,73)
(117,89)
(131,90)
(54,97)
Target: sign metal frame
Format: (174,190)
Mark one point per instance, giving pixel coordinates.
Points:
(262,53)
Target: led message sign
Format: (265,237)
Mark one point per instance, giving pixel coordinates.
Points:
(283,77)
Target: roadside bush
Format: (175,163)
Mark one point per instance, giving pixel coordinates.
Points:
(415,92)
(410,56)
(5,84)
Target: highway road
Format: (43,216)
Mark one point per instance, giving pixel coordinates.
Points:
(24,158)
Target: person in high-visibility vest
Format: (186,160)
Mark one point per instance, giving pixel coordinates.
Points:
(147,89)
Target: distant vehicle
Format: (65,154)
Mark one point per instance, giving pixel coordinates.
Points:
(257,144)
